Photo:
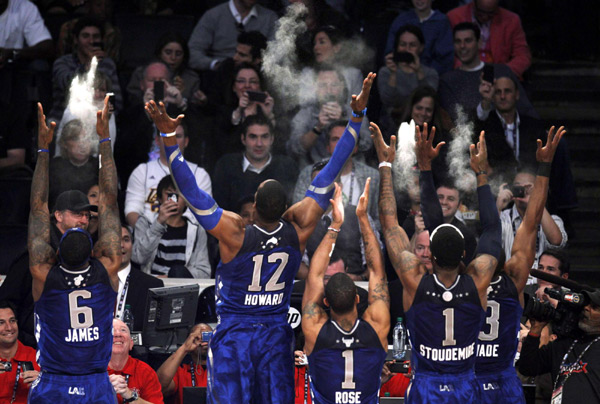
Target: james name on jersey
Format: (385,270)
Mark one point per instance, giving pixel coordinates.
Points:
(82,334)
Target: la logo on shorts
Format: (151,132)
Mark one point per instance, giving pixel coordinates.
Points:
(77,391)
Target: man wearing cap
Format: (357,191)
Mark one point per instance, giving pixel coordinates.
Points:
(74,288)
(574,362)
(444,310)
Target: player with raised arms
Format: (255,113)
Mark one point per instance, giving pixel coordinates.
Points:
(74,288)
(250,354)
(345,353)
(444,310)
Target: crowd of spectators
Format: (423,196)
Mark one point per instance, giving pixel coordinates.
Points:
(240,130)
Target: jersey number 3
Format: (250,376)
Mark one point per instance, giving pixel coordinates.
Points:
(493,320)
(273,283)
(81,316)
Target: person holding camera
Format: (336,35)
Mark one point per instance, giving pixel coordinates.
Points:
(174,376)
(573,361)
(18,367)
(171,245)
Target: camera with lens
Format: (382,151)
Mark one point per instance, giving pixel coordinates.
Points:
(564,317)
(6,366)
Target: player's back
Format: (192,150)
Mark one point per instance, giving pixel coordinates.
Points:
(345,366)
(74,320)
(259,280)
(443,325)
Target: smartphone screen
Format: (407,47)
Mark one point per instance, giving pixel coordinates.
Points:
(257,96)
(159,90)
(403,57)
(488,73)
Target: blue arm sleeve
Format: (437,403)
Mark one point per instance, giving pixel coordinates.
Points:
(430,204)
(490,241)
(321,188)
(202,205)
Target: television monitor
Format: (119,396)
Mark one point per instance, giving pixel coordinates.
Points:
(170,313)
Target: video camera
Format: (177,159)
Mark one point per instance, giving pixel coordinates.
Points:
(564,317)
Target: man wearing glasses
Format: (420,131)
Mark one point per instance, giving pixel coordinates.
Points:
(502,36)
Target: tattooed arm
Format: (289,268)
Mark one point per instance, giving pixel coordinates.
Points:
(41,254)
(523,249)
(108,247)
(406,264)
(378,312)
(313,316)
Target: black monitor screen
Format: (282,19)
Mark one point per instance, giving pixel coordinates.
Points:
(170,313)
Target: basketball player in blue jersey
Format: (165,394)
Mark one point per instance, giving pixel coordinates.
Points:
(74,289)
(250,354)
(444,310)
(498,340)
(345,353)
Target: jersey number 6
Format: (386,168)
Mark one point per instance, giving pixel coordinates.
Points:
(77,311)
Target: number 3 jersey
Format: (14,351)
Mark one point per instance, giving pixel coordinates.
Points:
(259,280)
(73,320)
(345,366)
(443,325)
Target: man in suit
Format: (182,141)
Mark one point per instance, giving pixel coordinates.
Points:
(133,283)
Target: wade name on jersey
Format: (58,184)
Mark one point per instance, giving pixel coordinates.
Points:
(82,334)
(487,351)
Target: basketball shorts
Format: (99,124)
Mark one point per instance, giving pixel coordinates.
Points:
(51,388)
(501,387)
(452,388)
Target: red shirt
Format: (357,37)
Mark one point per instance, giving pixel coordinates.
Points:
(141,377)
(183,378)
(396,386)
(7,379)
(300,381)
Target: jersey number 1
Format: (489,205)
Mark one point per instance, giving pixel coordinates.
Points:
(272,284)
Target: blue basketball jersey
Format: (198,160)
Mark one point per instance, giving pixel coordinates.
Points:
(345,366)
(443,325)
(498,338)
(259,280)
(73,320)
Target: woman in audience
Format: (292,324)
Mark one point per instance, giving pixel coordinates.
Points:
(172,49)
(403,73)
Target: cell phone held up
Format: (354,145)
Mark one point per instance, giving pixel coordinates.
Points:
(26,366)
(256,96)
(206,336)
(159,90)
(488,73)
(518,191)
(173,196)
(111,101)
(403,57)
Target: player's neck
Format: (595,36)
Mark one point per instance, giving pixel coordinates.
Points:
(8,352)
(446,276)
(118,362)
(268,226)
(346,321)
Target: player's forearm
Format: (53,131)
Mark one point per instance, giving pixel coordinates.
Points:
(537,201)
(320,259)
(388,216)
(430,204)
(490,241)
(107,181)
(39,220)
(373,254)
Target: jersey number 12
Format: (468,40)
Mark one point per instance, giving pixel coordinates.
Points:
(273,283)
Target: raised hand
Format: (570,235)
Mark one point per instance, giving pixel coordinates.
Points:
(545,154)
(193,340)
(360,101)
(424,149)
(45,133)
(102,120)
(363,201)
(337,205)
(161,119)
(385,153)
(479,155)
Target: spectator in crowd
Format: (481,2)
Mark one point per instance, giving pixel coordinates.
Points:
(171,49)
(399,78)
(502,36)
(512,138)
(141,198)
(240,174)
(215,35)
(93,194)
(572,361)
(175,375)
(102,11)
(393,384)
(133,283)
(461,85)
(554,261)
(87,34)
(132,379)
(14,383)
(551,233)
(76,167)
(246,209)
(306,143)
(102,86)
(23,38)
(437,52)
(420,247)
(171,244)
(136,132)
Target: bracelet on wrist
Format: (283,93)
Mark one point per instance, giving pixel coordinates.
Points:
(544,169)
(317,130)
(43,151)
(385,164)
(532,335)
(107,139)
(482,172)
(333,229)
(359,114)
(167,134)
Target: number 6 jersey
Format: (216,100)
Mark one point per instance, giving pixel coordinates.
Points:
(73,320)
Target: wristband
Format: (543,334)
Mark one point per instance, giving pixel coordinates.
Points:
(107,139)
(544,169)
(359,114)
(482,172)
(167,134)
(317,131)
(385,164)
(333,229)
(43,150)
(532,335)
